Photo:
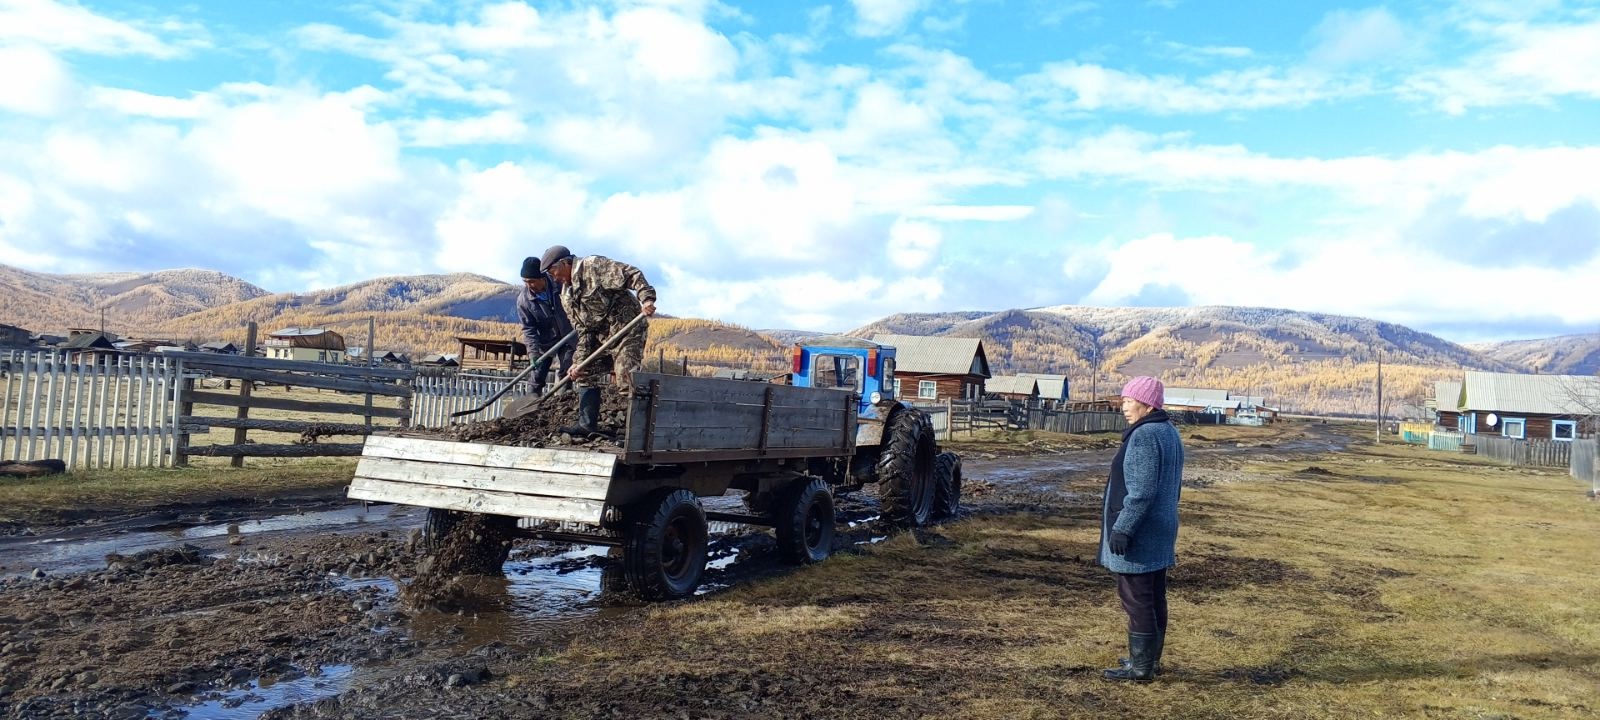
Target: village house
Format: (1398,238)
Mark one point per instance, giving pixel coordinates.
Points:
(1012,387)
(1052,388)
(436,360)
(220,347)
(935,369)
(1201,400)
(306,344)
(1523,407)
(91,342)
(13,336)
(492,354)
(358,355)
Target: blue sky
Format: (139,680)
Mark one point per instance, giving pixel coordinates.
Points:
(819,165)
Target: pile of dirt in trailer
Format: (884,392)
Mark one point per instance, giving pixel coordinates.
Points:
(542,427)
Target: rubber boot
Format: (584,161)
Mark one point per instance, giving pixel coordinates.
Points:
(588,414)
(1161,644)
(1142,648)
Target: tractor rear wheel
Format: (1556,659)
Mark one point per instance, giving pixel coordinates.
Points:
(664,554)
(805,522)
(905,469)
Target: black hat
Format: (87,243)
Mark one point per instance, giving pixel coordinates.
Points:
(555,254)
(530,268)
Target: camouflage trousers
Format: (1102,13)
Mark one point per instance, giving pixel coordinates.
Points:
(625,358)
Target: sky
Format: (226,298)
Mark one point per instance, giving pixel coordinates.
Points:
(788,164)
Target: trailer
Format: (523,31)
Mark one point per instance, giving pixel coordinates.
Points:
(789,448)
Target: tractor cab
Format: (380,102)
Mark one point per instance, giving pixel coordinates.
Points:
(847,363)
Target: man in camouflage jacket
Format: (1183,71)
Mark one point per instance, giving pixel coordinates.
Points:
(600,296)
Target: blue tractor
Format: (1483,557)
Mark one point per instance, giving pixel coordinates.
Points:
(895,445)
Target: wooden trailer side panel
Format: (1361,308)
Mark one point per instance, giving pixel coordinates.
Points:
(548,484)
(675,418)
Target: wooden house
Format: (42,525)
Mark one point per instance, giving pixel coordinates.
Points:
(358,356)
(935,369)
(220,348)
(438,361)
(1524,407)
(307,344)
(1445,404)
(1201,400)
(1012,387)
(13,336)
(492,354)
(91,342)
(1052,388)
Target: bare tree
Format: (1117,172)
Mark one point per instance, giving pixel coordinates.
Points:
(1582,400)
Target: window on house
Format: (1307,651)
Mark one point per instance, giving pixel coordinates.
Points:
(1514,428)
(841,372)
(1566,430)
(927,389)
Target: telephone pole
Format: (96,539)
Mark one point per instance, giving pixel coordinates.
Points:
(1378,429)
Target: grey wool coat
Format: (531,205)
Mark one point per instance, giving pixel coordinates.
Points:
(1141,498)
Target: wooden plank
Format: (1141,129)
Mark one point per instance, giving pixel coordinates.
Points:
(264,450)
(741,438)
(10,377)
(273,377)
(469,477)
(574,462)
(303,366)
(245,390)
(478,501)
(208,398)
(286,426)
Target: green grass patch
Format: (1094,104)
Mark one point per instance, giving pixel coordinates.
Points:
(120,491)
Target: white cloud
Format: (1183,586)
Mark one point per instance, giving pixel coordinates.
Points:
(877,18)
(913,245)
(70,27)
(976,213)
(500,126)
(140,104)
(506,213)
(1525,64)
(1094,87)
(33,81)
(1346,37)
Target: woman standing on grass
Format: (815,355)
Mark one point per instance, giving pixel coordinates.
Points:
(1139,524)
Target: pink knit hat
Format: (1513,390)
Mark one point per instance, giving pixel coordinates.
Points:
(1147,390)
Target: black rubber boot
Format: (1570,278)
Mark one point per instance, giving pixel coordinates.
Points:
(1161,644)
(1142,654)
(588,414)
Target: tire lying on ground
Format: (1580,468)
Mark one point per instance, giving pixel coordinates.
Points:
(905,469)
(947,485)
(664,553)
(804,517)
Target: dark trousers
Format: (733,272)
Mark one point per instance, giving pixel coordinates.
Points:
(1144,598)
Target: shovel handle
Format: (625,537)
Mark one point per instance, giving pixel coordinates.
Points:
(607,345)
(546,356)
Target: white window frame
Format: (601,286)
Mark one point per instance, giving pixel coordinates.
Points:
(897,387)
(1556,425)
(1522,428)
(927,390)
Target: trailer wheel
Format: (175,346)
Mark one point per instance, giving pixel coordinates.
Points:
(461,543)
(805,522)
(665,551)
(947,485)
(905,469)
(436,526)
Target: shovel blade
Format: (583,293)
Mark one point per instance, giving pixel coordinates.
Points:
(525,405)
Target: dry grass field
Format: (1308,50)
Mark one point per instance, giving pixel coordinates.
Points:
(1377,582)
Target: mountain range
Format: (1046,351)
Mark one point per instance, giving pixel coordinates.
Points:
(1311,360)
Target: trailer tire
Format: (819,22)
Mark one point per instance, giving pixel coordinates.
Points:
(947,485)
(436,526)
(905,469)
(805,522)
(664,555)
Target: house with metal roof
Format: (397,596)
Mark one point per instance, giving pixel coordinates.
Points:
(1526,407)
(1201,400)
(935,369)
(1051,387)
(1012,387)
(220,347)
(309,344)
(13,336)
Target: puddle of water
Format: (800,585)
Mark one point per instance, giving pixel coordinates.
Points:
(863,521)
(264,695)
(539,598)
(66,554)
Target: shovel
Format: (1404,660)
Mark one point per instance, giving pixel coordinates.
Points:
(526,404)
(526,371)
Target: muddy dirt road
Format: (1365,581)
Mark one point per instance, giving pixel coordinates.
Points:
(295,613)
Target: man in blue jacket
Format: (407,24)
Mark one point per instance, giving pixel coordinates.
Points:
(1139,524)
(544,322)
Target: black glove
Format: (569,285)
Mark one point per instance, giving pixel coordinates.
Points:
(1119,543)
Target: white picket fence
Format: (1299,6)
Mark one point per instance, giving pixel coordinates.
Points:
(435,397)
(88,410)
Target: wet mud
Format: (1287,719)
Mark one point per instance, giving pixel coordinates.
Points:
(309,616)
